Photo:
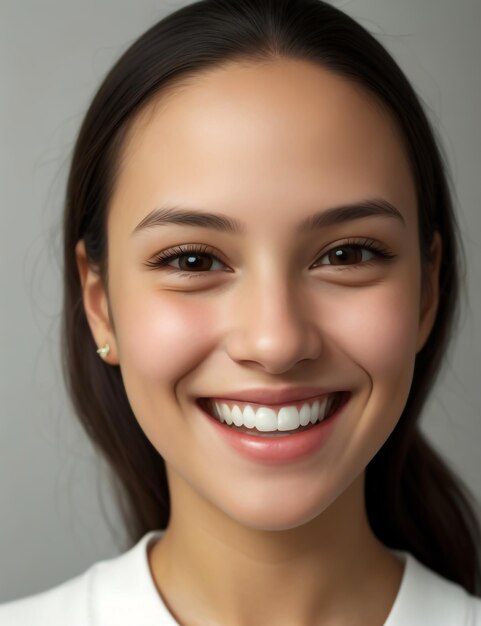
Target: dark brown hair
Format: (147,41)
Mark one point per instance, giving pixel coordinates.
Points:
(414,500)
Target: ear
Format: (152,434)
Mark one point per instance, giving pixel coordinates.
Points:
(430,299)
(95,303)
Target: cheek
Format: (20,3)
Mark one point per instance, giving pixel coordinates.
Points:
(161,336)
(378,335)
(375,330)
(382,329)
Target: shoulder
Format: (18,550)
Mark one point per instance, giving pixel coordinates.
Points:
(117,589)
(425,597)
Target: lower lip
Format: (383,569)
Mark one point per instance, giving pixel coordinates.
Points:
(275,450)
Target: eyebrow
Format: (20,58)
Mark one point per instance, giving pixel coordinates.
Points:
(373,207)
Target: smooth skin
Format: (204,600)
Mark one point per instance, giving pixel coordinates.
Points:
(267,144)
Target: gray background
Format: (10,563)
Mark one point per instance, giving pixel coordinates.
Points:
(53,55)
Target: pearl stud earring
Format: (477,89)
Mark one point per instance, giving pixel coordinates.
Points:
(104,350)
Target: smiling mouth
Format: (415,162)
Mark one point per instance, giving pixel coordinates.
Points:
(265,421)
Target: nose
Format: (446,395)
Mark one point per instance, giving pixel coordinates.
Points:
(274,325)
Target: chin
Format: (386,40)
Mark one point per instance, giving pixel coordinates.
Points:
(277,513)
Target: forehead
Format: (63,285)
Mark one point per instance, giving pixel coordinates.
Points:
(284,134)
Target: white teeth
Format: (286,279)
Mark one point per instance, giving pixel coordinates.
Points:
(236,416)
(309,412)
(265,419)
(317,407)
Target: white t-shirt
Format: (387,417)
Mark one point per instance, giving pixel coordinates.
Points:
(121,592)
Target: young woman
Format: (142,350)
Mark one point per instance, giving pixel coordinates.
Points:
(261,278)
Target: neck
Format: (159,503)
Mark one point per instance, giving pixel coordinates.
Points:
(332,569)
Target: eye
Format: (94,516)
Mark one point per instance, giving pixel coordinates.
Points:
(188,260)
(352,254)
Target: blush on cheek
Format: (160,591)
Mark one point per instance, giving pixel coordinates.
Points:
(379,331)
(161,338)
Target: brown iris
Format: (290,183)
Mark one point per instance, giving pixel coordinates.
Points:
(345,254)
(192,264)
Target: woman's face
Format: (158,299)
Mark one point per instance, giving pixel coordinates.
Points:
(268,146)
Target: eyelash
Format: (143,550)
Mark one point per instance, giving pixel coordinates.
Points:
(162,259)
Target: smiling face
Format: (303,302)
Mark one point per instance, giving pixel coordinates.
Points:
(267,146)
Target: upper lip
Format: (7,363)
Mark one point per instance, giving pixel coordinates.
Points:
(274,396)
